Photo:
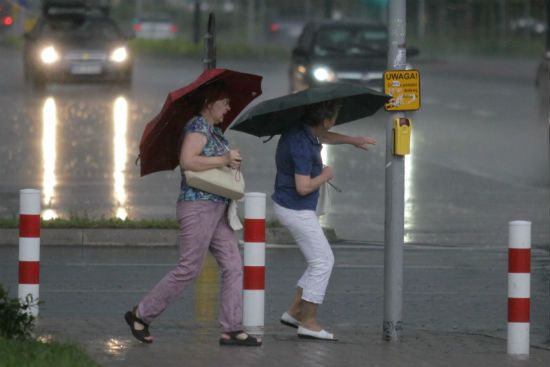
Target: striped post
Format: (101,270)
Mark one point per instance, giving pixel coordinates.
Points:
(519,287)
(254,262)
(29,247)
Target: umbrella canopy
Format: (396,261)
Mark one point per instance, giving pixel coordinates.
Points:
(273,116)
(158,148)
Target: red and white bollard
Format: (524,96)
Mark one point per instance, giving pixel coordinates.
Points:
(519,287)
(254,262)
(29,247)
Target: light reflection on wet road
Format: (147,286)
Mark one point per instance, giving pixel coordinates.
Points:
(49,155)
(120,123)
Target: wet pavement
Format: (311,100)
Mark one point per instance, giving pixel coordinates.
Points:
(454,307)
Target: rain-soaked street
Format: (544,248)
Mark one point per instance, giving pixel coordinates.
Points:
(479,152)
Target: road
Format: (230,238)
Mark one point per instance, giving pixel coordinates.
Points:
(480,152)
(454,307)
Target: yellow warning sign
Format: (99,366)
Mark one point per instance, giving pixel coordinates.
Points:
(404,88)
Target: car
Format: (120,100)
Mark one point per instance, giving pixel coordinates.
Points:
(340,51)
(155,27)
(74,42)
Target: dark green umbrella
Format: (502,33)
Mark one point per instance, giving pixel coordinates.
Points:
(273,116)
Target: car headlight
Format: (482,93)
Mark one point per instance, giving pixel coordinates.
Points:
(323,74)
(49,55)
(120,54)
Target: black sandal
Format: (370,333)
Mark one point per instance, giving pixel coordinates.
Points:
(233,340)
(140,335)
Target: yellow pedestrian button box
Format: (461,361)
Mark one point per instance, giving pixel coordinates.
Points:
(402,136)
(404,88)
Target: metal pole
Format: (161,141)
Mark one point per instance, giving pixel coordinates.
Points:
(251,22)
(502,18)
(209,60)
(327,9)
(196,22)
(307,9)
(263,21)
(395,189)
(502,24)
(421,29)
(527,15)
(138,10)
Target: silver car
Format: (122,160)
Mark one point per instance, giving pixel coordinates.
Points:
(76,46)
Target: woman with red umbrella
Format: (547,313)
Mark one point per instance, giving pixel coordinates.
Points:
(203,224)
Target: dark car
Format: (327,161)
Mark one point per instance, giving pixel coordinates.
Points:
(72,43)
(340,51)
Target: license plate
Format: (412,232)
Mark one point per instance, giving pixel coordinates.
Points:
(86,69)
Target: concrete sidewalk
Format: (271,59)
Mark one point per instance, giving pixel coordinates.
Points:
(183,344)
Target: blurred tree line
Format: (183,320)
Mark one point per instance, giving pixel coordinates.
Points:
(487,24)
(467,18)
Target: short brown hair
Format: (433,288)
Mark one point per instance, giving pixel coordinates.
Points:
(209,93)
(316,113)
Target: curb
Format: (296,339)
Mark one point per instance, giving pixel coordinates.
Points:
(130,236)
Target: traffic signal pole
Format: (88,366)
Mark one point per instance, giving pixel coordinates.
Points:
(395,188)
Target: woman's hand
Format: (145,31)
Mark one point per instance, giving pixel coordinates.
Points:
(191,158)
(327,173)
(233,158)
(362,142)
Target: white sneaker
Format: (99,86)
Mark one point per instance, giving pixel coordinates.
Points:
(319,335)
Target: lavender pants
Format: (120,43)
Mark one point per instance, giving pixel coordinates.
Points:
(203,226)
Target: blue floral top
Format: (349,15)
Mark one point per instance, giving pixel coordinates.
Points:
(216,145)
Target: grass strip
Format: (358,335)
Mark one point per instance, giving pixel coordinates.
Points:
(23,353)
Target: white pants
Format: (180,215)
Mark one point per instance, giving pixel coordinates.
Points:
(308,234)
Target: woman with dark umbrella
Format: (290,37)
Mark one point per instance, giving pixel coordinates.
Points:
(300,174)
(203,226)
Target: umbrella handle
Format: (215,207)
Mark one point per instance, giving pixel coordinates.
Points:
(210,43)
(334,187)
(268,139)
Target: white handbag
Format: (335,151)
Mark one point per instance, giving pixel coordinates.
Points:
(225,181)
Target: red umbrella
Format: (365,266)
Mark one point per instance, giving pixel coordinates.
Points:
(158,149)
